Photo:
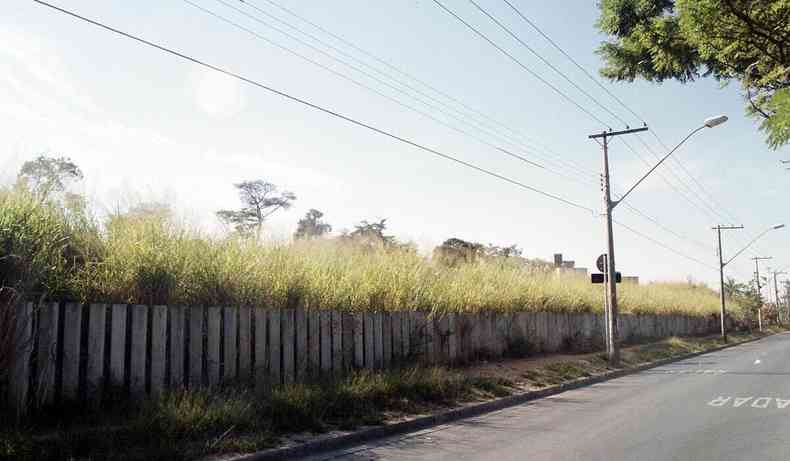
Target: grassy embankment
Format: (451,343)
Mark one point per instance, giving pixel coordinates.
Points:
(190,424)
(151,260)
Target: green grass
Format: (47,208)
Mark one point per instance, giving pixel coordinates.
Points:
(188,424)
(156,260)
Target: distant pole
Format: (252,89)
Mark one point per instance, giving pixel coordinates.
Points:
(776,297)
(723,300)
(757,260)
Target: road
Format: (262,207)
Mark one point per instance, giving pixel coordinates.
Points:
(728,405)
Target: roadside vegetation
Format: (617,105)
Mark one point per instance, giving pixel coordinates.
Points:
(189,424)
(146,255)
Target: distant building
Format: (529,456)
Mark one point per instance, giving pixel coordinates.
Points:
(632,279)
(562,266)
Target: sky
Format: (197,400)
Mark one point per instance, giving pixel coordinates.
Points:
(147,126)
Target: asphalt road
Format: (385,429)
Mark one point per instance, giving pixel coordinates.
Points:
(728,405)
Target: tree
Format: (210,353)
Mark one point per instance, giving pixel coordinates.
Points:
(260,199)
(494,251)
(371,233)
(454,251)
(45,176)
(742,40)
(744,294)
(311,226)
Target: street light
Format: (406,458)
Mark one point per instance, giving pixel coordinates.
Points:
(715,121)
(612,346)
(722,264)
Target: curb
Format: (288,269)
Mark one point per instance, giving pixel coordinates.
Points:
(425,422)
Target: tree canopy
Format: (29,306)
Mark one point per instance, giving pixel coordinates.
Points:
(260,199)
(311,226)
(45,176)
(742,40)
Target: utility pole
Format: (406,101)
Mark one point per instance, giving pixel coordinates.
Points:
(776,292)
(786,283)
(610,279)
(722,296)
(757,260)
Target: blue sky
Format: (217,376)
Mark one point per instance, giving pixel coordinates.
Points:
(146,126)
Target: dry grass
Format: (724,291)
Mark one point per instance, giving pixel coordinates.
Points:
(151,260)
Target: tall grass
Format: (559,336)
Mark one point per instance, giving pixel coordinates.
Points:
(155,260)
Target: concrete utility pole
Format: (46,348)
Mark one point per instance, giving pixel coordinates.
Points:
(757,260)
(786,283)
(776,292)
(610,279)
(723,312)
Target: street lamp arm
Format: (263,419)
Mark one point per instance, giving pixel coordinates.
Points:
(617,202)
(747,246)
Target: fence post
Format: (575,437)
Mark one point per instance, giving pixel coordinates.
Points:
(230,327)
(274,346)
(196,337)
(177,346)
(359,340)
(137,358)
(214,336)
(347,321)
(158,348)
(21,349)
(288,340)
(118,345)
(72,332)
(245,343)
(94,378)
(261,349)
(47,354)
(302,354)
(337,343)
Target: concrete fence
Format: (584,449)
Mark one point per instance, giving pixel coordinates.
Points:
(67,352)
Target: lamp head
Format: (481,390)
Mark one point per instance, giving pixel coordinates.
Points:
(778,226)
(715,121)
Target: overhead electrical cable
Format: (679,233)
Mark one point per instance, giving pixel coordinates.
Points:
(486,119)
(522,65)
(350,120)
(547,62)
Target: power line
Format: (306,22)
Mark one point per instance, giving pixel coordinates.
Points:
(708,195)
(357,82)
(702,188)
(521,64)
(317,107)
(373,90)
(662,245)
(553,43)
(547,62)
(491,120)
(633,209)
(350,120)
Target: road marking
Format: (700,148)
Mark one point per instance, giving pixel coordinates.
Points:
(757,362)
(760,402)
(740,401)
(719,401)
